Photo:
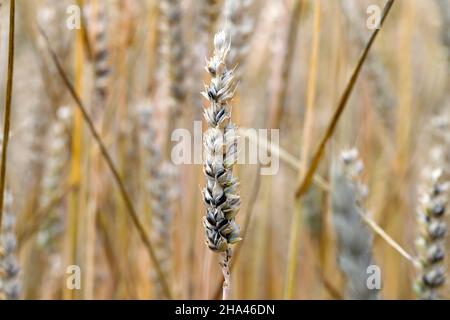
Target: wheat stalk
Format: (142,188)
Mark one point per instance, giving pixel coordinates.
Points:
(375,68)
(8,99)
(353,236)
(220,141)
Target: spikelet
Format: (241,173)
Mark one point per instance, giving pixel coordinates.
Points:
(97,25)
(220,142)
(239,25)
(9,267)
(161,177)
(431,240)
(173,52)
(354,238)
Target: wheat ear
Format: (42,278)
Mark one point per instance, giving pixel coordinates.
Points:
(58,154)
(9,267)
(161,177)
(220,142)
(97,25)
(353,236)
(431,240)
(239,25)
(431,212)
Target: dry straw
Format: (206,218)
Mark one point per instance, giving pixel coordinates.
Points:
(220,142)
(353,236)
(375,69)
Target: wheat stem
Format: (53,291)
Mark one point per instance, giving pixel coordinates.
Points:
(8,98)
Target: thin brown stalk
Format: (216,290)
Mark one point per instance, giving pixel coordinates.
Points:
(7,116)
(306,182)
(129,205)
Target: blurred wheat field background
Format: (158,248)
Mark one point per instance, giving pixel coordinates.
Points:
(114,206)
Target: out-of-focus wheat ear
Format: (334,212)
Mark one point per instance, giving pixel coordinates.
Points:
(239,25)
(209,14)
(220,195)
(9,266)
(96,19)
(57,154)
(444,10)
(173,57)
(439,146)
(431,239)
(353,236)
(161,177)
(57,161)
(51,15)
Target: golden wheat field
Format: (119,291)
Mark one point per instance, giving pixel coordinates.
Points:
(224,149)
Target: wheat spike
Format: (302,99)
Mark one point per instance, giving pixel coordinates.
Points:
(239,25)
(96,20)
(220,142)
(9,267)
(431,240)
(161,178)
(353,236)
(58,153)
